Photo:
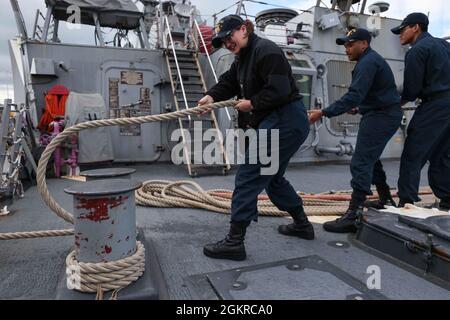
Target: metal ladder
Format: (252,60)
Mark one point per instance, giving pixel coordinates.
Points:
(188,87)
(47,29)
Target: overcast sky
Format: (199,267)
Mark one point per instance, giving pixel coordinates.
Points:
(437,9)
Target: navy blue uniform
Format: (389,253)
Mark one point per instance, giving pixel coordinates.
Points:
(374,91)
(427,76)
(262,74)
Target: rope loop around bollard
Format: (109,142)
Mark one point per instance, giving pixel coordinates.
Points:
(42,166)
(118,274)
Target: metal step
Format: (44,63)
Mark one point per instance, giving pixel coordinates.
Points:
(191,91)
(193,83)
(174,77)
(183,53)
(187,73)
(189,97)
(184,66)
(182,60)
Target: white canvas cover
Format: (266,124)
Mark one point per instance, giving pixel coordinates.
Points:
(95,145)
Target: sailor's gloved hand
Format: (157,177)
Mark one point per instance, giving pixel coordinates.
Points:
(315,115)
(244,105)
(204,101)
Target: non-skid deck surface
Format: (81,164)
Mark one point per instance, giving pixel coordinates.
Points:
(29,269)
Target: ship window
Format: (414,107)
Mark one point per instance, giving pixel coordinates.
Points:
(304,85)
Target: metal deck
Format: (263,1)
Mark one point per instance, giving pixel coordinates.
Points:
(29,269)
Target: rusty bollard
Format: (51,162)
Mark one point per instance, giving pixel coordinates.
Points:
(108,173)
(105,219)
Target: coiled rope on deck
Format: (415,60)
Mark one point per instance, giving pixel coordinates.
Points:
(188,194)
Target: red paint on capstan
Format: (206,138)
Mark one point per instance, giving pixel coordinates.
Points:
(98,208)
(108,249)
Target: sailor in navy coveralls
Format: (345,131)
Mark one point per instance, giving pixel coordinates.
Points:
(374,92)
(427,77)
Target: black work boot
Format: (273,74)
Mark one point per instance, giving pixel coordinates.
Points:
(346,223)
(301,227)
(444,205)
(385,198)
(232,247)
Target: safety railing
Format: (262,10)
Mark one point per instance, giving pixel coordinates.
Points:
(180,78)
(197,34)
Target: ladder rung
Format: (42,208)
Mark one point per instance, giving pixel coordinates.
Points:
(186,76)
(187,91)
(189,96)
(182,59)
(182,53)
(190,73)
(184,67)
(193,83)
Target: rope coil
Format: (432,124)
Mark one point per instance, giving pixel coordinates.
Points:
(188,194)
(106,276)
(167,194)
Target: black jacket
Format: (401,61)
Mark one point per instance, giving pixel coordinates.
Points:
(262,74)
(427,68)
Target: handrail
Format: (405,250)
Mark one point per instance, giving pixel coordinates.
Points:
(209,59)
(20,22)
(176,62)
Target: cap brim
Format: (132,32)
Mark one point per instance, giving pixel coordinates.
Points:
(398,30)
(341,41)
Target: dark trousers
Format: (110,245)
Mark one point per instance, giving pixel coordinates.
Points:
(292,123)
(428,139)
(375,130)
